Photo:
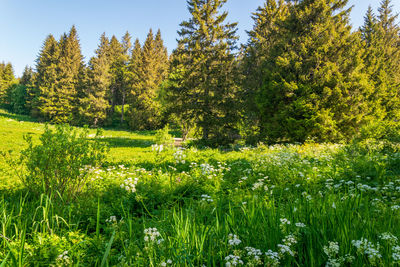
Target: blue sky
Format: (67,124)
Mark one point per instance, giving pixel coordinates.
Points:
(24,24)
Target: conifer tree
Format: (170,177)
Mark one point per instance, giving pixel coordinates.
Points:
(94,104)
(204,83)
(256,55)
(116,71)
(161,57)
(134,82)
(43,95)
(382,63)
(126,51)
(70,72)
(19,93)
(27,76)
(389,33)
(7,79)
(312,84)
(150,71)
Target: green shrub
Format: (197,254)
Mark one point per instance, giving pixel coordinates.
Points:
(163,137)
(60,163)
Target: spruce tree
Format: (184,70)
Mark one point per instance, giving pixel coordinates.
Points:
(389,33)
(203,84)
(161,56)
(70,72)
(94,104)
(126,51)
(116,71)
(381,41)
(42,95)
(7,80)
(312,83)
(134,82)
(256,55)
(146,80)
(19,93)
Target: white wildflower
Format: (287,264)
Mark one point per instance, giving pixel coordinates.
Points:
(234,240)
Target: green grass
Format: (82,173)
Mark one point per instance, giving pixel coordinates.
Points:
(197,200)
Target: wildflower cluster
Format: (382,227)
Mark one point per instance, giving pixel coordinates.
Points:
(332,251)
(130,185)
(180,156)
(232,260)
(165,263)
(365,247)
(152,235)
(157,148)
(206,198)
(63,259)
(234,240)
(112,219)
(272,258)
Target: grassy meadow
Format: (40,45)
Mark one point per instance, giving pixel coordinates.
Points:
(282,205)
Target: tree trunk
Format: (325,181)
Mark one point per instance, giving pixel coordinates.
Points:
(122,108)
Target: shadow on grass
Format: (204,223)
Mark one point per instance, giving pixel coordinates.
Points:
(16,117)
(126,142)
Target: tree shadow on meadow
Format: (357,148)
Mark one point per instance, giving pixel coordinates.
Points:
(17,117)
(114,142)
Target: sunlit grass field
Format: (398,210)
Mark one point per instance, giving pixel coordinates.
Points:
(282,205)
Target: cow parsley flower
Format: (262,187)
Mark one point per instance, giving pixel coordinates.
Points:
(130,185)
(232,260)
(152,235)
(233,240)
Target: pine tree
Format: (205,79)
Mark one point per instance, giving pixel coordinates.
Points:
(116,71)
(94,104)
(43,95)
(19,93)
(134,82)
(27,76)
(70,72)
(257,53)
(389,32)
(312,84)
(161,57)
(203,84)
(126,51)
(146,80)
(381,41)
(7,80)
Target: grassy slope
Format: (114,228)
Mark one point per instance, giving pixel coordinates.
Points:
(340,194)
(125,147)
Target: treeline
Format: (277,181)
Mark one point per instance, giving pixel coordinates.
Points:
(303,74)
(63,90)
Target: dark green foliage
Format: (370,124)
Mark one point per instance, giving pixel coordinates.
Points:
(116,72)
(303,74)
(202,80)
(148,67)
(312,85)
(7,81)
(43,94)
(380,36)
(59,79)
(163,137)
(70,74)
(18,93)
(61,162)
(93,103)
(18,99)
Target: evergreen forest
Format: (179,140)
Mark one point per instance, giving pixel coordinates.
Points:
(304,74)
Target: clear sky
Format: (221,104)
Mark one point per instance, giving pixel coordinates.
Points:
(24,24)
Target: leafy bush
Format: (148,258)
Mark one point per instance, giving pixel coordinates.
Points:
(61,162)
(163,137)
